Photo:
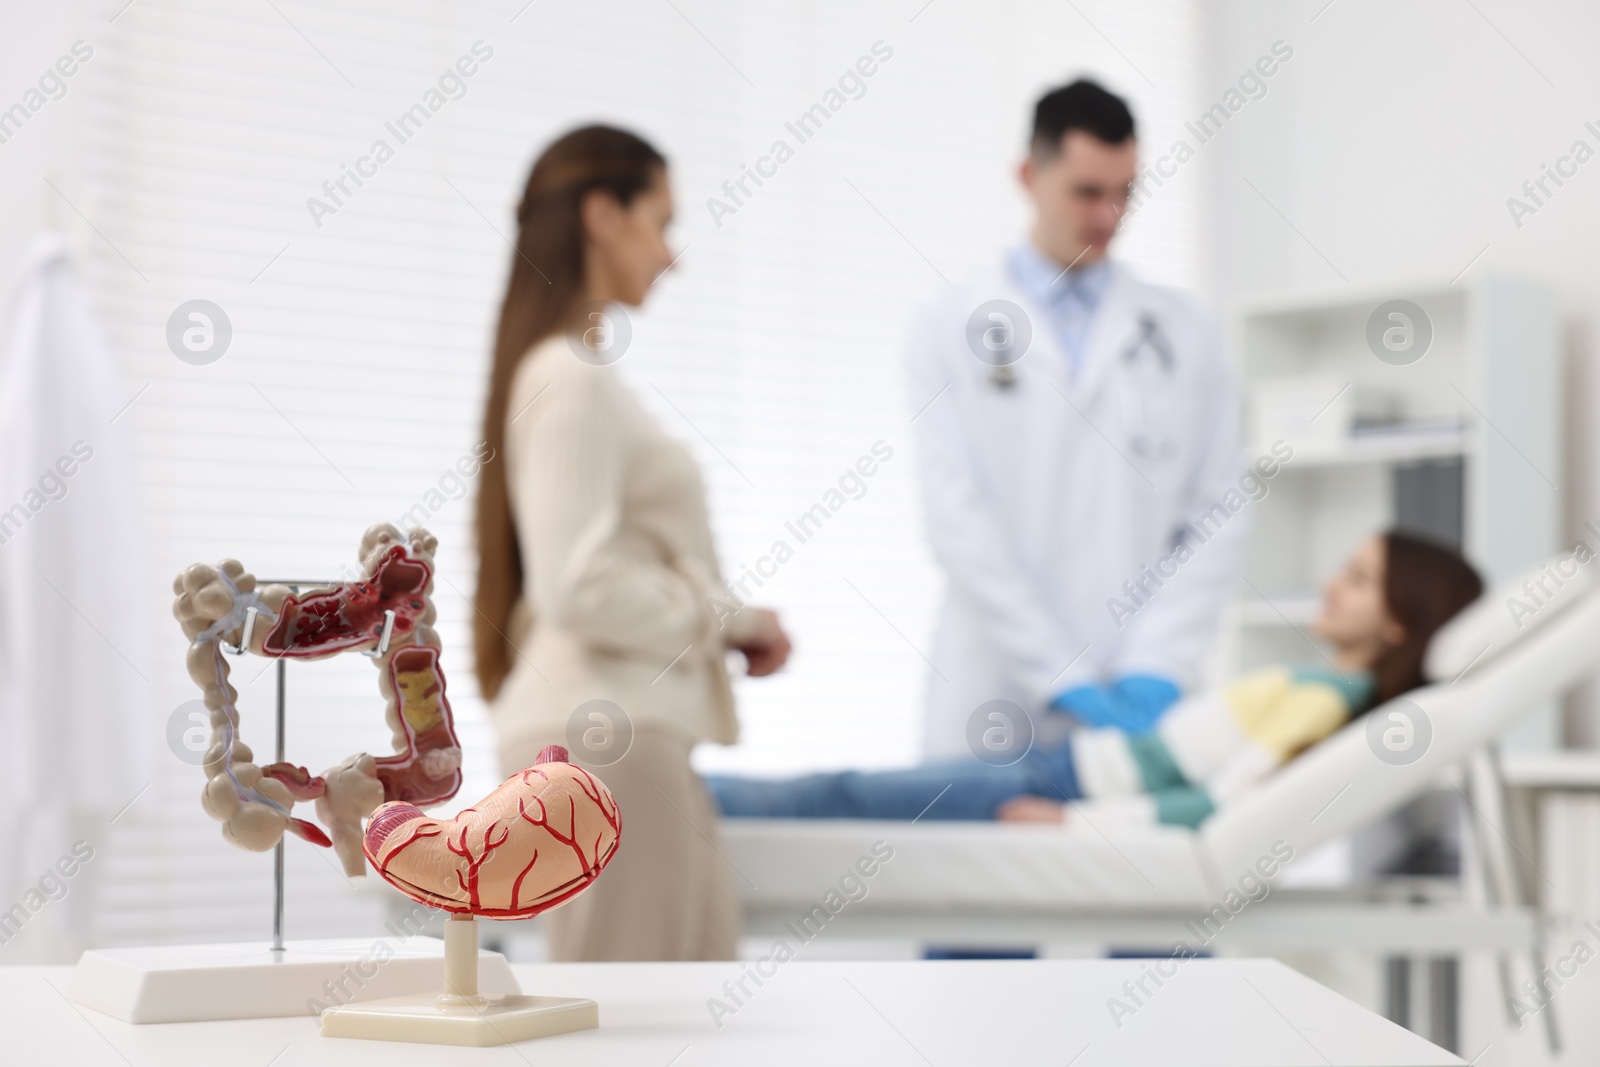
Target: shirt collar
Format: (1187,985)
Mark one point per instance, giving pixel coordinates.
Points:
(1043,279)
(1356,686)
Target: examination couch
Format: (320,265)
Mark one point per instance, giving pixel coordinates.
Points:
(993,884)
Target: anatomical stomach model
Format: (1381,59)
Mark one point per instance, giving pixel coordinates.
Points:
(534,843)
(387,613)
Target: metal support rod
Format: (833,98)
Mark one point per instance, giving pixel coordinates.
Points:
(244,637)
(1504,877)
(277,851)
(243,648)
(282,722)
(383,638)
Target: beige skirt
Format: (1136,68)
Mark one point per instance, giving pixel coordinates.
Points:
(668,894)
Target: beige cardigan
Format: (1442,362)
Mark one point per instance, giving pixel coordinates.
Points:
(621,596)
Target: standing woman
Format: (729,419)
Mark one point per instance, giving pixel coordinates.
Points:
(597,576)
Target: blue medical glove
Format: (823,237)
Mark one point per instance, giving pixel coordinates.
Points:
(1143,698)
(1092,705)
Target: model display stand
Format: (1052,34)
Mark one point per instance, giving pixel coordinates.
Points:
(203,983)
(386,614)
(534,843)
(460,1014)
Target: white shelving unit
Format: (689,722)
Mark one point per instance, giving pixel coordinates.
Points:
(1486,392)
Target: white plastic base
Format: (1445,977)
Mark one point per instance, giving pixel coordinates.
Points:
(497,1020)
(461,1015)
(194,983)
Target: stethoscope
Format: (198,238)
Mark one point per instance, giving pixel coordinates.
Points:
(1149,345)
(999,340)
(1002,376)
(1151,338)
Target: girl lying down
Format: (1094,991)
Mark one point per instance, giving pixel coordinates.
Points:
(1377,616)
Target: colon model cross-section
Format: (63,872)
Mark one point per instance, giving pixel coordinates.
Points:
(255,803)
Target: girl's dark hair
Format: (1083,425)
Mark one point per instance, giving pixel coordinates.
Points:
(1424,585)
(545,287)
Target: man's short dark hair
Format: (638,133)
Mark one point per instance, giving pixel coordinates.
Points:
(1083,105)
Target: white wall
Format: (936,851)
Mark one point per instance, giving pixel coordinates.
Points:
(1388,147)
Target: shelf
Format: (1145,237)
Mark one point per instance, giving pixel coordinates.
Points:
(1292,610)
(1482,403)
(1377,448)
(1302,303)
(1562,769)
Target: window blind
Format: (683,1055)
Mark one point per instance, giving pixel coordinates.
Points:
(218,145)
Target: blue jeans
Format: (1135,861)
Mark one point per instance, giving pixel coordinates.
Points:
(954,790)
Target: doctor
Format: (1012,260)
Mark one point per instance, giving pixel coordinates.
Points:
(1072,421)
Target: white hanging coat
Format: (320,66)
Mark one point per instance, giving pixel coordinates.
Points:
(1045,493)
(77,605)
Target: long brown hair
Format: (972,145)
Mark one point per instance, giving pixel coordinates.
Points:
(546,284)
(1424,585)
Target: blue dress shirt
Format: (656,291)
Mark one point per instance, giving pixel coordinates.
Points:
(1070,297)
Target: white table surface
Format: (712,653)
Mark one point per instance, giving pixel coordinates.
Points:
(1219,1012)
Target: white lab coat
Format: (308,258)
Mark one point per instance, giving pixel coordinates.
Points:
(77,721)
(1041,499)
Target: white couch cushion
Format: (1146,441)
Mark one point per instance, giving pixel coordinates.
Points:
(1508,614)
(993,866)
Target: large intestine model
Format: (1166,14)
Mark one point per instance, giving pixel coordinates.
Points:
(539,839)
(255,803)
